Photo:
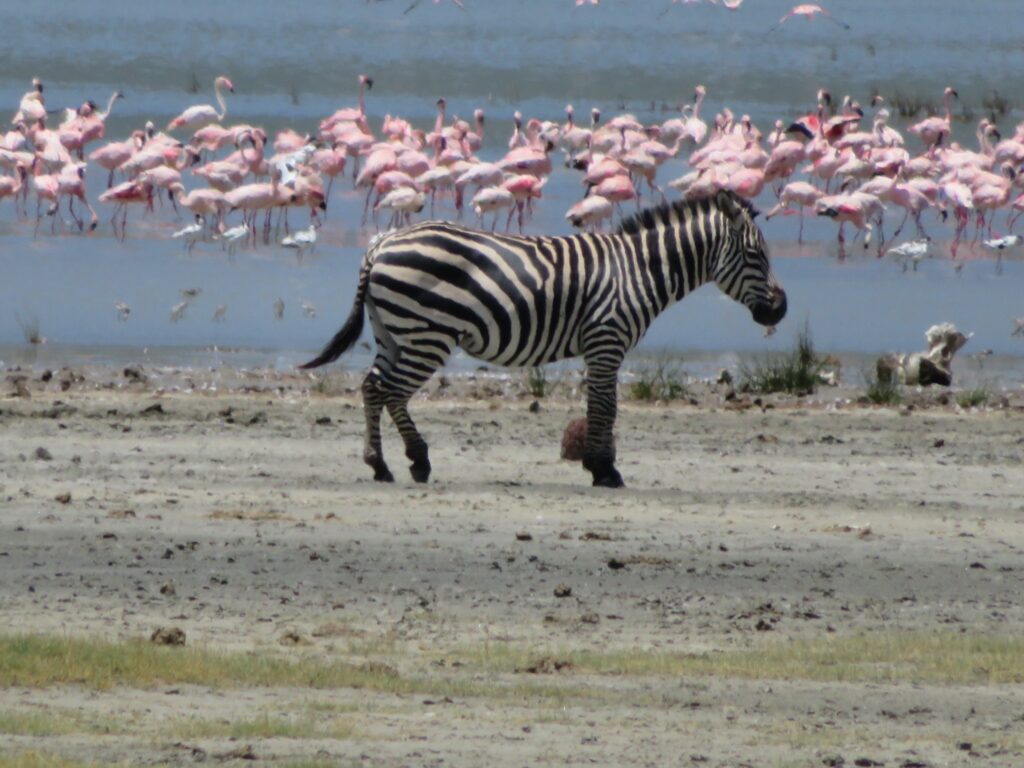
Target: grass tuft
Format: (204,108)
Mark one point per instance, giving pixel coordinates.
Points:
(660,379)
(795,371)
(537,381)
(973,398)
(877,658)
(883,390)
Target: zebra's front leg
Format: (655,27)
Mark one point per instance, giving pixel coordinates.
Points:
(373,453)
(599,449)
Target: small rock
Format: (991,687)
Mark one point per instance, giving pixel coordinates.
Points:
(292,637)
(563,590)
(134,373)
(63,498)
(535,406)
(574,440)
(590,618)
(524,536)
(20,384)
(168,589)
(615,564)
(43,455)
(154,408)
(938,443)
(323,420)
(168,636)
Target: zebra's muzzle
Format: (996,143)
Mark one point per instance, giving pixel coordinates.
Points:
(769,314)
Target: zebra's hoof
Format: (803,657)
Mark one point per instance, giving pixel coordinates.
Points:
(420,472)
(383,475)
(610,480)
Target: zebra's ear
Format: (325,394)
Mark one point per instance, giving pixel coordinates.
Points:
(730,205)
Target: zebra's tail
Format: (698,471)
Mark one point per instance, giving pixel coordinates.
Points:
(353,327)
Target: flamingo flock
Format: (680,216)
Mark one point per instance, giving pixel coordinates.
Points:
(842,163)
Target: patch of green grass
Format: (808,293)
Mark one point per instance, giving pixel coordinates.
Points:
(537,381)
(660,379)
(880,657)
(795,371)
(53,723)
(31,759)
(262,727)
(882,390)
(972,398)
(35,662)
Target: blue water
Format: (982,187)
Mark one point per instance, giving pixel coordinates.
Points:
(293,63)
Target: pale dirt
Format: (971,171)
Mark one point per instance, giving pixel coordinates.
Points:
(803,519)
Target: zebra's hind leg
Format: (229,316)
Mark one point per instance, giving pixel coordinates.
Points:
(599,449)
(373,404)
(415,446)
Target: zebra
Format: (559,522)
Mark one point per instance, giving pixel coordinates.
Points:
(524,301)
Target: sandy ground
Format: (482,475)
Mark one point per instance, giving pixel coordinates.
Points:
(738,525)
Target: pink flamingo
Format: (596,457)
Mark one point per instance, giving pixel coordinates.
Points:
(330,161)
(124,194)
(32,108)
(933,130)
(200,115)
(350,114)
(492,199)
(94,124)
(111,156)
(201,202)
(856,208)
(800,193)
(524,189)
(589,212)
(808,11)
(71,184)
(403,202)
(261,196)
(10,186)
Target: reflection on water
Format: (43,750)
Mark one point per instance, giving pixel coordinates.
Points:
(293,63)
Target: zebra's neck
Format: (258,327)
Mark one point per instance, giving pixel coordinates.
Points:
(677,253)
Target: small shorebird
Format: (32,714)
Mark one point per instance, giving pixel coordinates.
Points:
(912,252)
(178,311)
(308,308)
(229,238)
(1008,243)
(301,240)
(279,308)
(192,233)
(123,310)
(219,312)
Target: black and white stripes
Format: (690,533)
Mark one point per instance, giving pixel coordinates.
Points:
(523,301)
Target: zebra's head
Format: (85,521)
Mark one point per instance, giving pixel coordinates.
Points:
(742,270)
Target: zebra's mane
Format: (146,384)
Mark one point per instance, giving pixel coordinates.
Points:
(649,218)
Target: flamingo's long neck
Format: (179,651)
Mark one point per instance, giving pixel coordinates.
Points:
(220,101)
(697,102)
(945,101)
(110,106)
(439,120)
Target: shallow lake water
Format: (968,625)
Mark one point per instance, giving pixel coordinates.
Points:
(293,63)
